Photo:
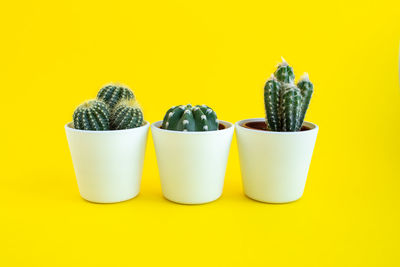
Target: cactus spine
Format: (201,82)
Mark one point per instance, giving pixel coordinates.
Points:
(114,93)
(126,114)
(285,103)
(307,89)
(189,118)
(92,115)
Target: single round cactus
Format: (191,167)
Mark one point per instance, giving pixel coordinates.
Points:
(113,93)
(307,89)
(92,115)
(290,108)
(189,118)
(284,72)
(126,114)
(271,101)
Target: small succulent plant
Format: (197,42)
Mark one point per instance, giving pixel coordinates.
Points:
(112,94)
(189,118)
(126,114)
(114,109)
(285,103)
(92,115)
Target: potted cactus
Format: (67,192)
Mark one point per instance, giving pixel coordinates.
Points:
(192,148)
(275,152)
(107,141)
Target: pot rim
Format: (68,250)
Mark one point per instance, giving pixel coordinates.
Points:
(155,126)
(68,127)
(239,124)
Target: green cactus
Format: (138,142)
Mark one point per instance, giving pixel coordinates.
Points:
(307,89)
(92,115)
(290,108)
(113,93)
(285,103)
(271,101)
(284,72)
(188,118)
(126,114)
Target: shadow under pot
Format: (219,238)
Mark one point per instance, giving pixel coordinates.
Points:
(192,164)
(108,164)
(274,165)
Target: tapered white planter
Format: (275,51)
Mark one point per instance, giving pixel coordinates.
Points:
(192,164)
(274,165)
(108,164)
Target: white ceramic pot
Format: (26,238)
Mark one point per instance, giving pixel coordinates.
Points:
(192,164)
(274,165)
(108,164)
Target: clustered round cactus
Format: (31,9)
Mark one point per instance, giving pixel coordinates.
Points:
(126,114)
(114,109)
(92,115)
(188,118)
(112,94)
(286,104)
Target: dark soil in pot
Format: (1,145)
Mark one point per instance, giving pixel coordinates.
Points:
(260,125)
(220,126)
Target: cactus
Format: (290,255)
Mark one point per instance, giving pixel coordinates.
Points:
(271,101)
(285,103)
(113,93)
(189,118)
(290,107)
(307,89)
(92,115)
(284,72)
(126,114)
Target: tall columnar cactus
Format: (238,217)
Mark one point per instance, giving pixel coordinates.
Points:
(271,97)
(284,73)
(92,115)
(126,114)
(307,89)
(285,103)
(290,108)
(113,93)
(189,118)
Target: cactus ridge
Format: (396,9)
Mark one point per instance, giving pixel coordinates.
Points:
(285,103)
(307,89)
(126,114)
(92,115)
(189,118)
(114,93)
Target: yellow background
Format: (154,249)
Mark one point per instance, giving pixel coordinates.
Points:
(55,54)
